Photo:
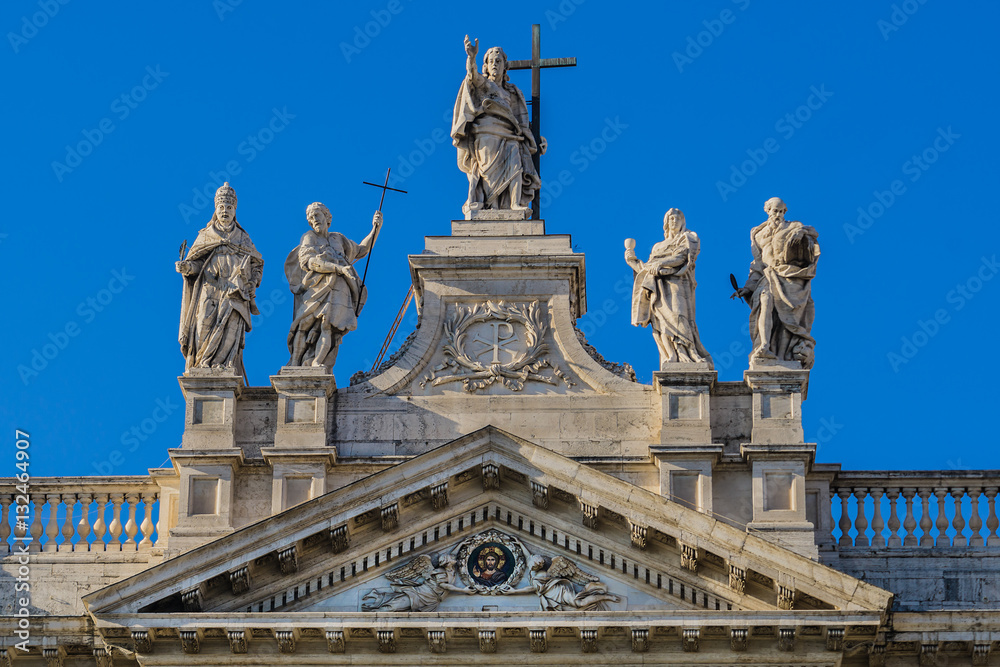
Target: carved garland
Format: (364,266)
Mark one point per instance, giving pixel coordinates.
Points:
(474,374)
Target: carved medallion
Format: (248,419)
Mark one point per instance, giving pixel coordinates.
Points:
(496,342)
(491,560)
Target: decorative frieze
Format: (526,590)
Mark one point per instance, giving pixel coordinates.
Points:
(491,476)
(239,580)
(340,538)
(286,640)
(835,639)
(539,495)
(288,560)
(738,639)
(638,534)
(786,639)
(439,496)
(538,641)
(386,641)
(189,641)
(487,641)
(390,517)
(640,640)
(738,579)
(335,642)
(689,640)
(590,514)
(192,599)
(142,641)
(238,641)
(436,641)
(588,640)
(689,557)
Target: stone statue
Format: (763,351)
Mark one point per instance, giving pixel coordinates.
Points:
(221,273)
(490,129)
(779,289)
(328,291)
(555,582)
(663,292)
(417,586)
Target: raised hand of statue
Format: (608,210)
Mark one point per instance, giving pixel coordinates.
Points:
(184,267)
(377,221)
(470,48)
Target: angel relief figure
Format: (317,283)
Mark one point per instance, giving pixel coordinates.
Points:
(416,586)
(555,582)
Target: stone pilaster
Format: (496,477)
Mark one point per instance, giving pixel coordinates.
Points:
(210,397)
(686,473)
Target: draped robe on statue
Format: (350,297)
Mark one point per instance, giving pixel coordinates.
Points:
(784,264)
(219,297)
(667,301)
(321,296)
(491,131)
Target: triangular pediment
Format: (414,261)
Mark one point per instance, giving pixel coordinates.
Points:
(324,555)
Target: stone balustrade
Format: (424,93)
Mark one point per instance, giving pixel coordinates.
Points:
(80,514)
(922,509)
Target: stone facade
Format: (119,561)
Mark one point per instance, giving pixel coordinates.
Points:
(682,522)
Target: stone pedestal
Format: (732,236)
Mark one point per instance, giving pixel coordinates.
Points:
(686,390)
(777,404)
(779,494)
(300,456)
(206,496)
(686,473)
(484,227)
(210,397)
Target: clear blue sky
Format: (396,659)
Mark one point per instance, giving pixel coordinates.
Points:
(116,113)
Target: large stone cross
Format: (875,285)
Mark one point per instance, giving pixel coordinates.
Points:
(535,65)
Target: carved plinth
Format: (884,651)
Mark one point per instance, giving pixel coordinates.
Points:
(486,227)
(498,214)
(210,397)
(777,404)
(685,391)
(686,473)
(304,394)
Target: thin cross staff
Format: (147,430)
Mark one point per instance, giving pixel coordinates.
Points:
(535,65)
(384,186)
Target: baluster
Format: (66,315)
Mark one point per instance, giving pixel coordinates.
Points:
(116,525)
(20,529)
(83,528)
(68,529)
(5,502)
(926,539)
(878,540)
(52,527)
(975,521)
(131,528)
(100,528)
(958,521)
(845,519)
(147,520)
(992,521)
(893,496)
(833,521)
(36,523)
(861,519)
(942,521)
(909,522)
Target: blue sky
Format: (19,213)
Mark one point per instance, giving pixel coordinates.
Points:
(875,121)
